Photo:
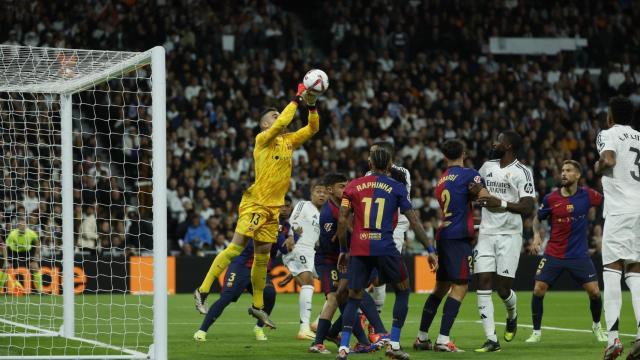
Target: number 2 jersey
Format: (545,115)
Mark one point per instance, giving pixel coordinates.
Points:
(452,192)
(622,185)
(375,200)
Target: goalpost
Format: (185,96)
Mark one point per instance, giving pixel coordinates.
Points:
(82,147)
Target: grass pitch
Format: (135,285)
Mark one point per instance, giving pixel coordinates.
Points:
(566,328)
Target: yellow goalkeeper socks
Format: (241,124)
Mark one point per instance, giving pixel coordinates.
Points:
(219,264)
(37,280)
(259,278)
(3,279)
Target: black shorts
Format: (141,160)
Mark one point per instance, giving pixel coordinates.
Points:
(20,258)
(455,260)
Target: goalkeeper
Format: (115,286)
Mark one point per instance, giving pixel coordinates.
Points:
(22,249)
(260,205)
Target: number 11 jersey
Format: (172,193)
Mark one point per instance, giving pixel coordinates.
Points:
(375,200)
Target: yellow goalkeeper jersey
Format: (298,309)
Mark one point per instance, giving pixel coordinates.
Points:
(21,241)
(273,157)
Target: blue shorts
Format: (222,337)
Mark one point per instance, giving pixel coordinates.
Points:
(455,260)
(391,269)
(329,276)
(581,270)
(237,280)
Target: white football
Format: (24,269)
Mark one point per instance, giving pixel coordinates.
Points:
(316,81)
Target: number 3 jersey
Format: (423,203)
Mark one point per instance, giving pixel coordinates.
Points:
(306,216)
(622,185)
(375,200)
(510,183)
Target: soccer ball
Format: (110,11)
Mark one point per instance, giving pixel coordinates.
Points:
(316,81)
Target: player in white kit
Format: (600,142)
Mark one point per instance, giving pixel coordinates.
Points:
(497,252)
(619,165)
(305,222)
(379,293)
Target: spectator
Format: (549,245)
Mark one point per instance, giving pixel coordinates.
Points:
(198,235)
(89,230)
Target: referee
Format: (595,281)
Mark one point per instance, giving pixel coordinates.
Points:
(23,250)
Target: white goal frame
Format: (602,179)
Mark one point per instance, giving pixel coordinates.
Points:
(66,88)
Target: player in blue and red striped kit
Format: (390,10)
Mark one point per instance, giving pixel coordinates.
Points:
(567,210)
(456,189)
(238,279)
(333,282)
(375,200)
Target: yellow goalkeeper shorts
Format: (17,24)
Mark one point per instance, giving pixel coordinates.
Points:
(258,222)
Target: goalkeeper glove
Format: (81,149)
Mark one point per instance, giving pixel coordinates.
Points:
(310,98)
(299,94)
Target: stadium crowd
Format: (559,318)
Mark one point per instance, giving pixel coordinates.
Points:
(400,71)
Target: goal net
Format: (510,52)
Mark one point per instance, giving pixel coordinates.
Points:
(82,234)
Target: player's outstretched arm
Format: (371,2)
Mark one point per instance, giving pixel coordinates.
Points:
(281,123)
(313,125)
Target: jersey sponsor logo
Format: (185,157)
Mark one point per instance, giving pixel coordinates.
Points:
(328,227)
(498,186)
(370,236)
(490,175)
(528,188)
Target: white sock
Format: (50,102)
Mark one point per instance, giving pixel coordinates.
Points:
(633,282)
(379,295)
(537,332)
(423,336)
(304,302)
(485,308)
(442,339)
(612,300)
(511,304)
(395,345)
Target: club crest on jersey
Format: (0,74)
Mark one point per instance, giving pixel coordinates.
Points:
(477,179)
(328,227)
(570,208)
(528,188)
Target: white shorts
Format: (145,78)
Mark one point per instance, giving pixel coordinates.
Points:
(398,234)
(299,260)
(621,238)
(498,253)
